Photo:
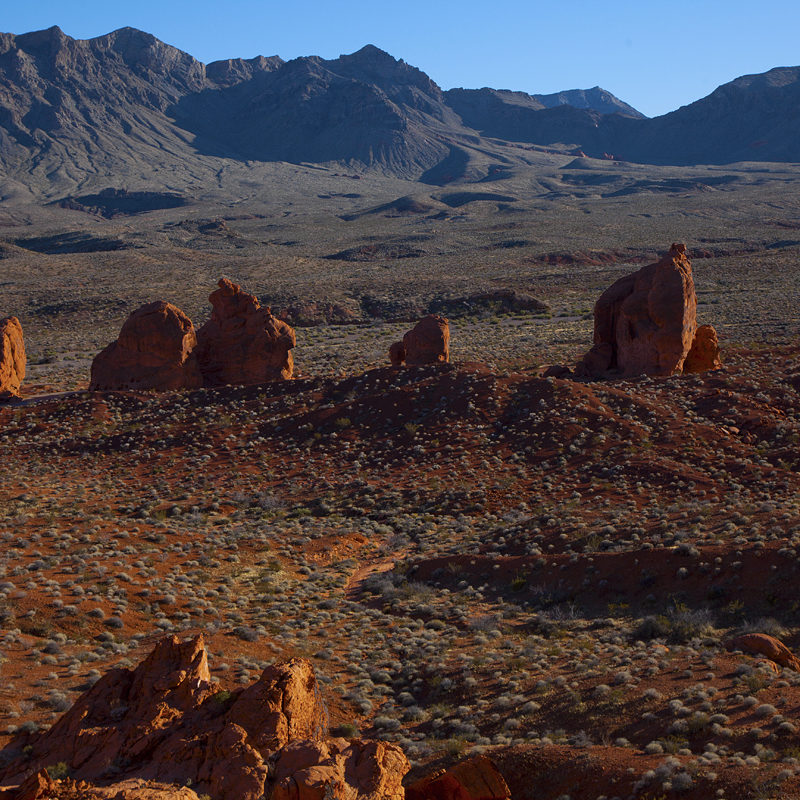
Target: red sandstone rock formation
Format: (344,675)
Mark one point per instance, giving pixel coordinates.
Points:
(243,343)
(475,779)
(341,769)
(154,351)
(12,357)
(164,723)
(127,711)
(428,342)
(37,786)
(644,323)
(704,354)
(767,646)
(41,787)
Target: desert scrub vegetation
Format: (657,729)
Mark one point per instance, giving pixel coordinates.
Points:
(498,565)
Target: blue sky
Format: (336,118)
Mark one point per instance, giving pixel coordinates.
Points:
(656,56)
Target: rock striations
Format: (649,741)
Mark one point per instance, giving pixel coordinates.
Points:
(155,350)
(158,349)
(12,358)
(646,324)
(164,723)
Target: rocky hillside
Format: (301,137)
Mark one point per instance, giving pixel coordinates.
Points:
(753,118)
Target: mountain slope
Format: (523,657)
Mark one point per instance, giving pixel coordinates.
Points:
(753,118)
(365,107)
(520,117)
(126,103)
(71,108)
(128,110)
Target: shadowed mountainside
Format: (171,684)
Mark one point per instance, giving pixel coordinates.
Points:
(128,105)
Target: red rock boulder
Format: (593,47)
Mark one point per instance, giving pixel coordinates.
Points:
(37,786)
(704,355)
(131,790)
(42,788)
(127,711)
(12,357)
(474,779)
(341,769)
(767,646)
(644,324)
(428,342)
(155,350)
(230,756)
(243,343)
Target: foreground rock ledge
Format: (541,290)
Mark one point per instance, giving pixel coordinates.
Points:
(12,358)
(165,723)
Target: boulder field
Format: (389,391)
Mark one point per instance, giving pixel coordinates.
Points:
(644,324)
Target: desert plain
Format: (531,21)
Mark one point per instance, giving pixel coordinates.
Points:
(475,559)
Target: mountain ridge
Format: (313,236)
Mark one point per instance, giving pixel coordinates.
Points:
(127,103)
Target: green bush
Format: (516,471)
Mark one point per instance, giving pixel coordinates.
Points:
(58,771)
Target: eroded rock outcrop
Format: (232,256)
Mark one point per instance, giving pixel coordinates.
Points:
(474,779)
(155,350)
(158,348)
(243,343)
(164,723)
(36,786)
(337,768)
(428,342)
(704,354)
(41,787)
(127,711)
(645,323)
(768,646)
(12,357)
